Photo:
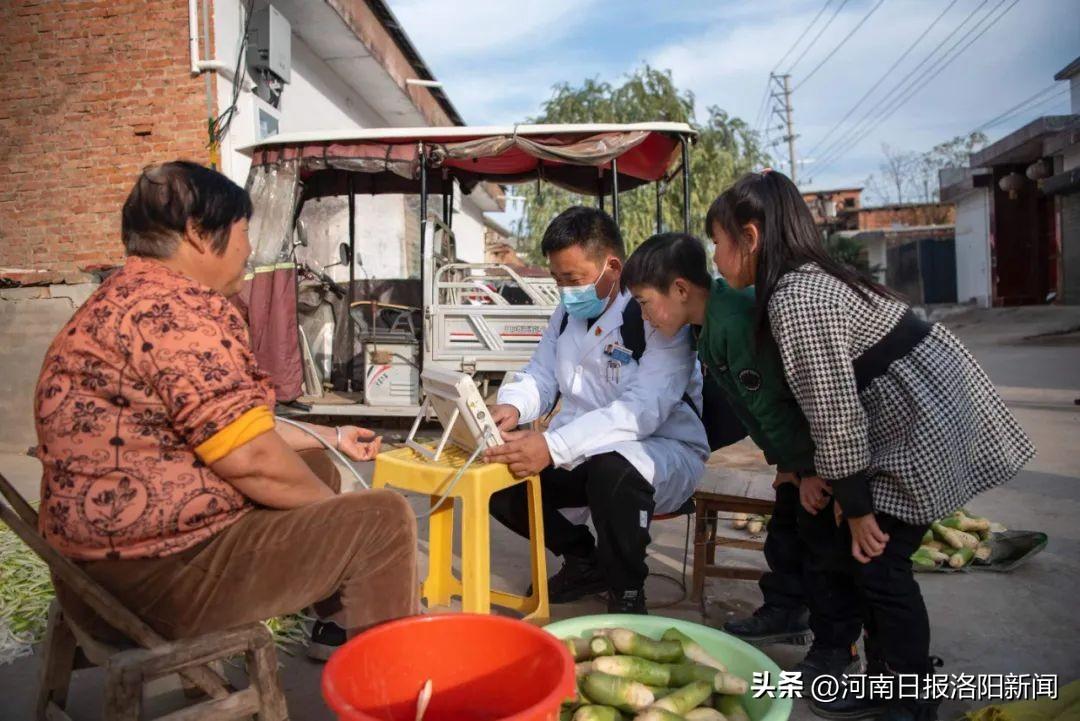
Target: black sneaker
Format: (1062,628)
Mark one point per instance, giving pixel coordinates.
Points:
(578,577)
(823,660)
(773,624)
(908,710)
(326,637)
(849,707)
(630,601)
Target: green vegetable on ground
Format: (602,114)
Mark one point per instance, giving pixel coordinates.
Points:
(686,698)
(923,559)
(659,691)
(621,693)
(956,539)
(983,552)
(732,708)
(634,644)
(961,558)
(692,649)
(938,555)
(635,669)
(582,669)
(597,713)
(928,537)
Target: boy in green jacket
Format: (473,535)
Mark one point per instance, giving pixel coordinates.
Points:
(668,276)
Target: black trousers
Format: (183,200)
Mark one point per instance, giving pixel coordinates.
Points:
(883,593)
(782,584)
(620,501)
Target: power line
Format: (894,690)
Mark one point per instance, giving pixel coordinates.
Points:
(914,90)
(905,91)
(763,106)
(896,90)
(839,45)
(1012,116)
(994,121)
(901,102)
(800,39)
(816,37)
(884,76)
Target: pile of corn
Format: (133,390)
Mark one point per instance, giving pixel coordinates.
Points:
(26,591)
(622,672)
(25,594)
(750,522)
(955,541)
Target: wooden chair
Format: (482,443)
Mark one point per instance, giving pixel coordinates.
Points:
(128,669)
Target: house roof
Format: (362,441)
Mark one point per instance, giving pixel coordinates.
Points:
(1069,70)
(390,22)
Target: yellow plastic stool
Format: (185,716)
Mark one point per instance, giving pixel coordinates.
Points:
(406,469)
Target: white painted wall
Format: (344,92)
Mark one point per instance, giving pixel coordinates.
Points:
(469,229)
(973,247)
(877,256)
(317,98)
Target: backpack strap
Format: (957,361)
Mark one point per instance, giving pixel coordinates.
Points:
(633,335)
(633,329)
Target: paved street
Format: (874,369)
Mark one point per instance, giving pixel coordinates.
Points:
(1022,622)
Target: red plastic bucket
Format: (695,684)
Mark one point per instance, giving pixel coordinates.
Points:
(482,668)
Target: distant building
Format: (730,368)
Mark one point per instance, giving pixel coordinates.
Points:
(907,246)
(1018,212)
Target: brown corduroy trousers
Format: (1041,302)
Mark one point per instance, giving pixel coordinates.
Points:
(352,557)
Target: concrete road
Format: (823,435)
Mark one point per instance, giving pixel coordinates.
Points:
(1021,622)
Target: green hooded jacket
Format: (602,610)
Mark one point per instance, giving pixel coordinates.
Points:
(751,376)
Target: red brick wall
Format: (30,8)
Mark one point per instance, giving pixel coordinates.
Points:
(887,217)
(93,91)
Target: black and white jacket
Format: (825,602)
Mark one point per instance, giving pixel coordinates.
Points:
(904,420)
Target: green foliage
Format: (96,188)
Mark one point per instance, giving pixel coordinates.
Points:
(726,148)
(847,250)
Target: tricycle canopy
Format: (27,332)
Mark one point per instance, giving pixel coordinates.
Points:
(580,158)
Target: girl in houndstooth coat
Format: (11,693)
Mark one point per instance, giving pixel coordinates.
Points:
(907,427)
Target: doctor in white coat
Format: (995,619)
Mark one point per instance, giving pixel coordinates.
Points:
(625,442)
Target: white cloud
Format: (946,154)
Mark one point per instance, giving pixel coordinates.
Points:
(448,31)
(727,65)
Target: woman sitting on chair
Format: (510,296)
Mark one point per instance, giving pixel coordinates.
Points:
(166,477)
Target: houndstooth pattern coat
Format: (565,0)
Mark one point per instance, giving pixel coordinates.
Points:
(904,420)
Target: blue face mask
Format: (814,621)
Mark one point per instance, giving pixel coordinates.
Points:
(581,301)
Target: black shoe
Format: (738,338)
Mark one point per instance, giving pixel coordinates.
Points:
(916,709)
(772,624)
(907,710)
(848,707)
(326,637)
(577,578)
(631,601)
(823,660)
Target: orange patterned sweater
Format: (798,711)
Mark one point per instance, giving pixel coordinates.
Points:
(150,368)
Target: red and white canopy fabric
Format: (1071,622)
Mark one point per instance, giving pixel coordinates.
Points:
(575,157)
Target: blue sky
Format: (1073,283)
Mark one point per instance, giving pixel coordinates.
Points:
(498,61)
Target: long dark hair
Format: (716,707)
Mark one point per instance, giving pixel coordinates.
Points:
(787,236)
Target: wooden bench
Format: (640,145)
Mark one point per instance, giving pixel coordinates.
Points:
(127,670)
(726,492)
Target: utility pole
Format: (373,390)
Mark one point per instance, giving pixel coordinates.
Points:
(784,85)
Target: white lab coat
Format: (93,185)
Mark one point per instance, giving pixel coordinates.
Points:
(642,416)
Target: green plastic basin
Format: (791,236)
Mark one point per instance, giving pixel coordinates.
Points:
(740,657)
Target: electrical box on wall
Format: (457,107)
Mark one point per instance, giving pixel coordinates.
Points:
(270,43)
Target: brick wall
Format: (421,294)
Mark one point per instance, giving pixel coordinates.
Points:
(916,214)
(93,91)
